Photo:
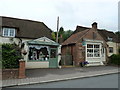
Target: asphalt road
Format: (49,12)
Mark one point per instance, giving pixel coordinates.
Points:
(106,81)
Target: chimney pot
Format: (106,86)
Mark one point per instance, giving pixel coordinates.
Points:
(94,25)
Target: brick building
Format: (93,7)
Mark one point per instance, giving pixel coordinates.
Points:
(86,45)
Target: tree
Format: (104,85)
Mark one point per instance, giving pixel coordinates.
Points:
(53,36)
(62,34)
(118,34)
(67,34)
(61,31)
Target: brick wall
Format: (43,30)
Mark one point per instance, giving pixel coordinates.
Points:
(14,73)
(21,69)
(9,74)
(80,54)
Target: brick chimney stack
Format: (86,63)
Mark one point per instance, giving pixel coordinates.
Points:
(94,25)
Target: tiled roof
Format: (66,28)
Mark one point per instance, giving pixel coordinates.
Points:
(104,33)
(27,28)
(74,37)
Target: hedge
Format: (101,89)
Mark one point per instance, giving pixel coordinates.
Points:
(115,59)
(10,56)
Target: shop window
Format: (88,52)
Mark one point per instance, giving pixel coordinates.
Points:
(93,50)
(39,54)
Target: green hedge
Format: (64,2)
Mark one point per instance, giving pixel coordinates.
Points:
(10,56)
(115,59)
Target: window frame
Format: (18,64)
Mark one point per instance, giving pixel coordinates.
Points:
(9,30)
(93,50)
(112,49)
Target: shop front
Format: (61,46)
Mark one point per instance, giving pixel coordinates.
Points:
(42,53)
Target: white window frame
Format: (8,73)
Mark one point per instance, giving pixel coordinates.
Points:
(9,30)
(93,50)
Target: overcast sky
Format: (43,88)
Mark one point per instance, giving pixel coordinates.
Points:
(70,12)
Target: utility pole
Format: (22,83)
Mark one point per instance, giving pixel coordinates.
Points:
(57,28)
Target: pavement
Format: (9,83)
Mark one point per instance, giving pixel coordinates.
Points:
(34,76)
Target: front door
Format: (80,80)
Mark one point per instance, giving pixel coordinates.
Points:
(53,61)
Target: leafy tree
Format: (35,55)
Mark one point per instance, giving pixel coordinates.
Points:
(61,31)
(53,36)
(62,34)
(67,34)
(118,34)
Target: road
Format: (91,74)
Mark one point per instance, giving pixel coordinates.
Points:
(106,81)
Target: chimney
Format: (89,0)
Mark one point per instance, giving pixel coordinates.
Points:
(94,25)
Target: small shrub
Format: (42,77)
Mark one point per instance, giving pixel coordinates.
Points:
(10,56)
(115,59)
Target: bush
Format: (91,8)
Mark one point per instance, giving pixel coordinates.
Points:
(10,56)
(115,59)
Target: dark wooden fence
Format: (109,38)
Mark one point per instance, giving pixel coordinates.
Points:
(66,60)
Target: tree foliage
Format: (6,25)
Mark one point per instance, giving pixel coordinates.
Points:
(53,36)
(118,34)
(62,34)
(67,34)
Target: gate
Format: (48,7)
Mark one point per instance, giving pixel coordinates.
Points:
(66,60)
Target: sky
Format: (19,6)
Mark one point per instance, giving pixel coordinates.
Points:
(71,12)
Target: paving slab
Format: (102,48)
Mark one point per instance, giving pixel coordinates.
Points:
(49,75)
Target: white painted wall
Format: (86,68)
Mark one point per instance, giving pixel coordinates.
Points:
(115,48)
(95,61)
(35,64)
(11,40)
(59,55)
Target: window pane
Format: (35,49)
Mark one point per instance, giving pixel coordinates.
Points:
(96,46)
(89,52)
(110,49)
(96,53)
(5,32)
(11,32)
(53,53)
(89,46)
